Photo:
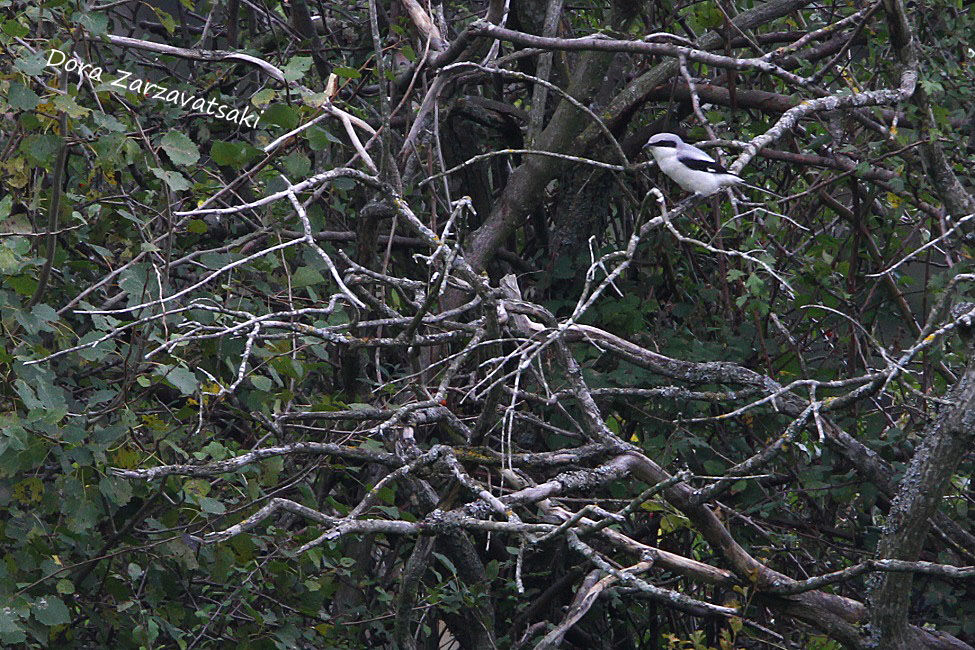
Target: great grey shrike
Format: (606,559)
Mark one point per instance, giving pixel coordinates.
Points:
(691,168)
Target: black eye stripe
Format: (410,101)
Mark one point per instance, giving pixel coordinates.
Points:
(665,143)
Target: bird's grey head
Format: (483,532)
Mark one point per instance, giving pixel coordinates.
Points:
(663,141)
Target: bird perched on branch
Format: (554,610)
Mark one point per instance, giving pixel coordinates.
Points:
(691,168)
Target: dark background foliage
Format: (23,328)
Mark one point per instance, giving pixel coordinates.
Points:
(141,333)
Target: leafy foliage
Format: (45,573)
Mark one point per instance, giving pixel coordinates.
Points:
(143,332)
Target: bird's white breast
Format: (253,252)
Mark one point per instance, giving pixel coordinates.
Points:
(689,179)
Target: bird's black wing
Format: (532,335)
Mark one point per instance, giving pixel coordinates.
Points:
(700,165)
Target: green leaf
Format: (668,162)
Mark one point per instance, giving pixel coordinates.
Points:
(41,148)
(212,506)
(280,115)
(95,22)
(21,97)
(41,316)
(14,255)
(347,73)
(306,276)
(196,487)
(108,149)
(183,379)
(83,516)
(263,97)
(31,64)
(216,451)
(180,149)
(117,490)
(492,569)
(319,138)
(708,16)
(176,181)
(147,634)
(135,283)
(166,20)
(233,154)
(446,562)
(68,104)
(50,610)
(40,394)
(11,631)
(13,28)
(108,435)
(262,383)
(297,164)
(297,67)
(23,285)
(108,122)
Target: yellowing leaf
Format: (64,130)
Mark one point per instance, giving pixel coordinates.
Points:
(29,491)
